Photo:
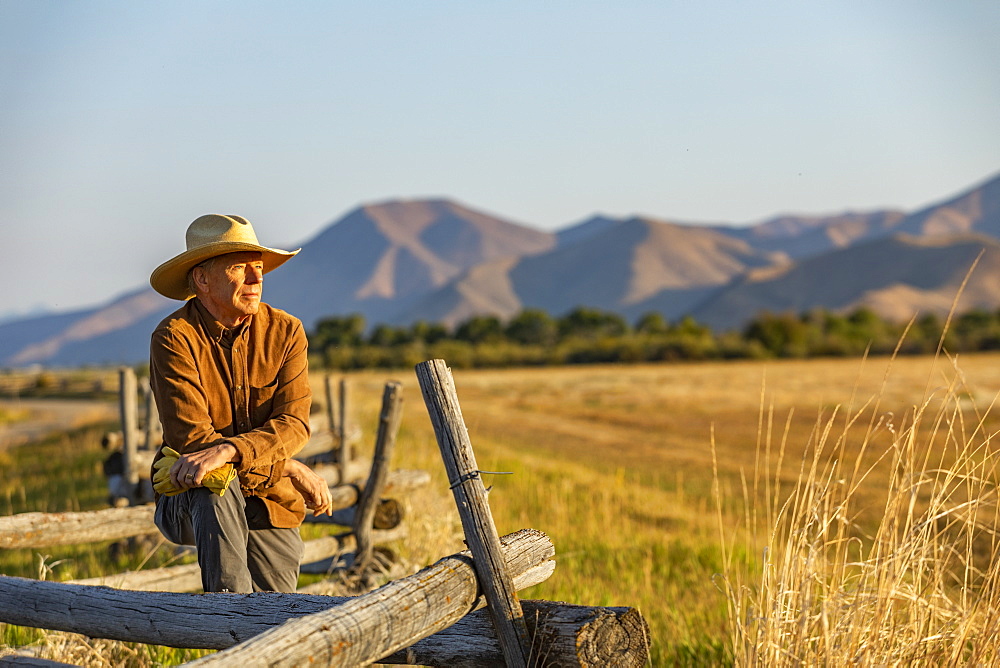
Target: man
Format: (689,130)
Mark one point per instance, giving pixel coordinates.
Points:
(229,375)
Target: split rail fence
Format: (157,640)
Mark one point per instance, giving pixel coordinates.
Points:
(461,611)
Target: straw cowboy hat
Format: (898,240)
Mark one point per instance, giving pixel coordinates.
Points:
(208,236)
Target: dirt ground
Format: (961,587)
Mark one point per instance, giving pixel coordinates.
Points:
(46,416)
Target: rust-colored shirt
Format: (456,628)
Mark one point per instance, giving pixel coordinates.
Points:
(247,386)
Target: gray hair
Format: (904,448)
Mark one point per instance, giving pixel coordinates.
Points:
(207,265)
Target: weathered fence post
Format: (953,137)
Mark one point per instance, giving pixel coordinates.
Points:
(331,409)
(388,427)
(438,389)
(129,409)
(344,452)
(152,417)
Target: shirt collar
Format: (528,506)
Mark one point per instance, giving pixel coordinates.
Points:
(216,331)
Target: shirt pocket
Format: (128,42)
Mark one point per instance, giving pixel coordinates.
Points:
(262,400)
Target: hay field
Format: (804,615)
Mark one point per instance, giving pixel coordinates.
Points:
(615,463)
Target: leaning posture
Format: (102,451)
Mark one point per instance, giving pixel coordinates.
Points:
(229,375)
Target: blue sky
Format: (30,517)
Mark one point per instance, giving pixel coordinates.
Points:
(122,121)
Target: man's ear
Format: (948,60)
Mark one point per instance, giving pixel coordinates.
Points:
(200,278)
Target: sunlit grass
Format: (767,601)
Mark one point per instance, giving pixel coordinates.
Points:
(62,473)
(919,587)
(8,415)
(615,464)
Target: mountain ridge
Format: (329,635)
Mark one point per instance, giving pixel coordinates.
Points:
(436,259)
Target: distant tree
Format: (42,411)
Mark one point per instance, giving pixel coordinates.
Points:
(925,334)
(781,334)
(691,328)
(532,327)
(480,329)
(428,332)
(384,335)
(972,321)
(338,331)
(868,329)
(652,323)
(591,323)
(978,330)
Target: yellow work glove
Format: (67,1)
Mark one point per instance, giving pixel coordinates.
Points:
(162,483)
(216,480)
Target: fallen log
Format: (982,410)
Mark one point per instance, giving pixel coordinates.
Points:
(395,616)
(31,530)
(568,635)
(187,577)
(411,608)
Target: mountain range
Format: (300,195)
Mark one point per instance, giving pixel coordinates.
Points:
(437,260)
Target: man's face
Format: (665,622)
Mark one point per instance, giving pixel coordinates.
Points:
(230,286)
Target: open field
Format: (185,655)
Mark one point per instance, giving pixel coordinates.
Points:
(617,465)
(25,420)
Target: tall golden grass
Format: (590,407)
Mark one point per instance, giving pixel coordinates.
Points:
(919,586)
(616,463)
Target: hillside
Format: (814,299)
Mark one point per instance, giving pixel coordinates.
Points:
(397,262)
(897,276)
(632,263)
(807,236)
(380,259)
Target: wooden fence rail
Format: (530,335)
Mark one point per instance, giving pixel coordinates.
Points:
(355,629)
(29,530)
(187,577)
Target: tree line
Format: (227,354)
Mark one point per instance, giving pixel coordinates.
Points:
(588,335)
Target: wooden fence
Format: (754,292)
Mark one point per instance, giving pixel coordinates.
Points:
(434,617)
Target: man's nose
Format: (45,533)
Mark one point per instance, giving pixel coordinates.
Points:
(255,275)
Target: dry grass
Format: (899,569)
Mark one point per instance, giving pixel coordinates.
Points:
(12,415)
(921,586)
(615,463)
(856,499)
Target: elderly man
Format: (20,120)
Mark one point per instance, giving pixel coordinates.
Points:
(229,375)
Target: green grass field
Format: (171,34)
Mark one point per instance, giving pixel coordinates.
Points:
(678,489)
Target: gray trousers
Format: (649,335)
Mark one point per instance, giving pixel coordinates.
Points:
(238,549)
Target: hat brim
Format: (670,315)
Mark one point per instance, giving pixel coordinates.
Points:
(170,278)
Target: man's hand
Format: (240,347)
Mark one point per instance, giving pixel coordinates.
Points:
(191,469)
(311,486)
